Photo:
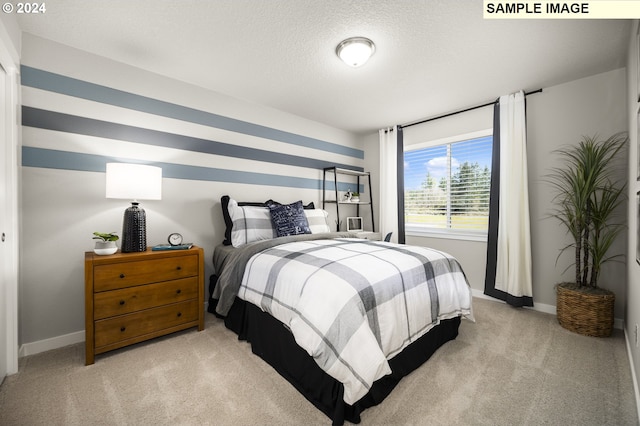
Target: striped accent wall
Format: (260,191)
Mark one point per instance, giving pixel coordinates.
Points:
(72,124)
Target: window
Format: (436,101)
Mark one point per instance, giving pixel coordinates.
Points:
(447,186)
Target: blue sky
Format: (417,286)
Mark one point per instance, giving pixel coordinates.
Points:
(433,160)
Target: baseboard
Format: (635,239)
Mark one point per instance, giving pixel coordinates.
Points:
(58,342)
(540,307)
(634,377)
(78,336)
(51,343)
(618,323)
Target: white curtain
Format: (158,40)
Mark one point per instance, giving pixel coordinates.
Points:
(389,182)
(513,258)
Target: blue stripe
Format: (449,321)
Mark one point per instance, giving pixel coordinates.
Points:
(57,83)
(49,120)
(64,160)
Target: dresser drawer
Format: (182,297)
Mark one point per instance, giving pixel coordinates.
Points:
(128,274)
(123,327)
(123,301)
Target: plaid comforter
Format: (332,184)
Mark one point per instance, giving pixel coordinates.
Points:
(353,304)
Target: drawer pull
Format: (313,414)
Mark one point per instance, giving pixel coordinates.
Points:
(179,314)
(123,328)
(178,291)
(121,302)
(121,275)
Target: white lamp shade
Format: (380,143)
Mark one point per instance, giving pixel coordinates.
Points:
(134,181)
(355,51)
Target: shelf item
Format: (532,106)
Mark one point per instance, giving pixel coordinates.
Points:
(133,297)
(185,246)
(336,199)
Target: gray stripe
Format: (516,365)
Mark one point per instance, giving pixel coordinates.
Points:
(49,120)
(346,322)
(390,287)
(428,270)
(366,293)
(326,360)
(63,160)
(57,83)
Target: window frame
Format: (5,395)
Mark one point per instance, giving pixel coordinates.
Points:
(417,230)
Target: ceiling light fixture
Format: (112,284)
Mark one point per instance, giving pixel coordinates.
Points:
(355,51)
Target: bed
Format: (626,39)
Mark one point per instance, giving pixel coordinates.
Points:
(343,319)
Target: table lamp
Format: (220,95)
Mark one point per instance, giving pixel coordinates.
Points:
(134,182)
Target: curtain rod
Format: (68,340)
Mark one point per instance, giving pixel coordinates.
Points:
(461,111)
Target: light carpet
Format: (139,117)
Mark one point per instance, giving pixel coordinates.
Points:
(511,367)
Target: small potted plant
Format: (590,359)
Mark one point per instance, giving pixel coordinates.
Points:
(106,243)
(355,197)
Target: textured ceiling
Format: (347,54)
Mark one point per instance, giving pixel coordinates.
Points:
(432,56)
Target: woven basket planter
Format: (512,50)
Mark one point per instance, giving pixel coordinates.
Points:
(584,312)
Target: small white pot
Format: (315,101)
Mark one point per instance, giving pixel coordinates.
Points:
(105,247)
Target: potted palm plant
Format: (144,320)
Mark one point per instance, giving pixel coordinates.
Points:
(587,196)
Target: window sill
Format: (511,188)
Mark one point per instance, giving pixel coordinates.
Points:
(448,234)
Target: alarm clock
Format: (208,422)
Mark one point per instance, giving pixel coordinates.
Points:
(175,239)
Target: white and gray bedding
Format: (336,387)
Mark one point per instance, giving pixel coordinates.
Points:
(229,263)
(352,304)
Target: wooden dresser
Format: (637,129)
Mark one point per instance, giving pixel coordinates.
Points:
(132,297)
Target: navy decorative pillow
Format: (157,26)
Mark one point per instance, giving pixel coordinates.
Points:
(289,219)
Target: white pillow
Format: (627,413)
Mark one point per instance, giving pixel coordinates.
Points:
(317,219)
(249,224)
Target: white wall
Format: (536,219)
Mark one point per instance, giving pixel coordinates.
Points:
(10,35)
(372,165)
(63,171)
(559,115)
(10,62)
(632,312)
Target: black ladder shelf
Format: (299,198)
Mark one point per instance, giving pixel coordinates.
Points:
(339,171)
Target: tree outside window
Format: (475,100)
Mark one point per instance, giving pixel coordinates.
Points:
(447,186)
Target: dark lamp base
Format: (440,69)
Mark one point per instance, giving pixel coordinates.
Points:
(134,230)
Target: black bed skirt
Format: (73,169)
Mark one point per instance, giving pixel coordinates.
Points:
(271,341)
